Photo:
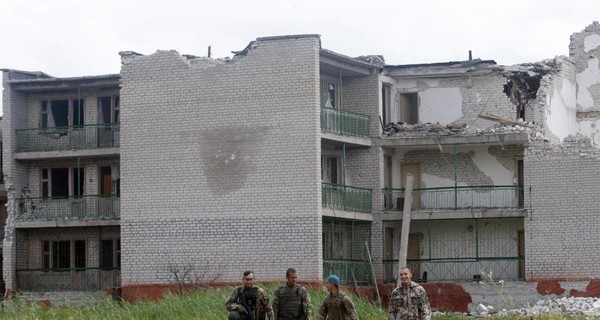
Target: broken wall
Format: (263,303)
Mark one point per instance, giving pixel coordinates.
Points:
(219,163)
(460,99)
(584,50)
(476,166)
(555,104)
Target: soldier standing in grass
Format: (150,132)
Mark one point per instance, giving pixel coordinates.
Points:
(337,305)
(248,302)
(409,301)
(291,301)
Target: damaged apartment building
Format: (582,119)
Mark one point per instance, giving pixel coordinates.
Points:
(292,155)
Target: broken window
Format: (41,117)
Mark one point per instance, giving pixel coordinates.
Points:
(62,182)
(62,113)
(409,108)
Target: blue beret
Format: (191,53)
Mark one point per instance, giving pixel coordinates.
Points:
(334,279)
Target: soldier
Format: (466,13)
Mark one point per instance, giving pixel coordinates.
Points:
(337,305)
(248,302)
(291,301)
(409,301)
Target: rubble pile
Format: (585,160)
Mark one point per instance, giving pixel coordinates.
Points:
(400,129)
(565,305)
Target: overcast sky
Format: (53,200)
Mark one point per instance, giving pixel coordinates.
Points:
(67,38)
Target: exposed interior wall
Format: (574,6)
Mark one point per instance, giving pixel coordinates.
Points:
(560,112)
(476,166)
(584,49)
(443,105)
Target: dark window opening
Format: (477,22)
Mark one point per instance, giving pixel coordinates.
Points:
(80,254)
(110,254)
(61,254)
(409,108)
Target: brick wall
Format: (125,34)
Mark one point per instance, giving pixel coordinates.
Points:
(221,163)
(561,228)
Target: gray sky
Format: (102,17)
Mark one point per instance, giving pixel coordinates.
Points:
(67,38)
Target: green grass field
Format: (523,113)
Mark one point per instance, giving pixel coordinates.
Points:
(201,304)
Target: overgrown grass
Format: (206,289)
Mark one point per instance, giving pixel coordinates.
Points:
(202,304)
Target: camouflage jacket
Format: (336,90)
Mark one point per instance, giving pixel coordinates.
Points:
(408,303)
(300,291)
(337,306)
(262,305)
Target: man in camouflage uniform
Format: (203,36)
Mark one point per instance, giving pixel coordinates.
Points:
(409,301)
(291,301)
(337,305)
(248,302)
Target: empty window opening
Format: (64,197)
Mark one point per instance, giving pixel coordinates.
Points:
(386,107)
(409,108)
(110,256)
(62,182)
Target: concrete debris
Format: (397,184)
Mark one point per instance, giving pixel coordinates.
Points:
(565,305)
(401,129)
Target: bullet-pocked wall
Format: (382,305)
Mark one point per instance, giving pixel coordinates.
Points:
(220,163)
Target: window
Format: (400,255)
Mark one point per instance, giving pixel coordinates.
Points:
(57,254)
(329,94)
(62,113)
(331,169)
(110,181)
(110,254)
(108,118)
(108,109)
(62,182)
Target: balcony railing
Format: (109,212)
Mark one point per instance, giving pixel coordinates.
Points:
(68,138)
(344,122)
(463,269)
(69,208)
(349,271)
(346,198)
(85,279)
(454,198)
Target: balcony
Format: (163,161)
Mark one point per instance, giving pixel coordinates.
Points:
(457,198)
(84,279)
(346,198)
(459,269)
(69,208)
(87,137)
(344,122)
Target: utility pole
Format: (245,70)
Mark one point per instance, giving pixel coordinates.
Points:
(408,188)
